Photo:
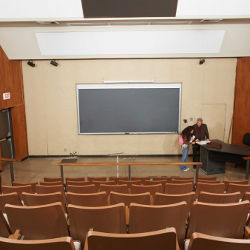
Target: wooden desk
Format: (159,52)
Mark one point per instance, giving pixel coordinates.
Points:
(12,176)
(213,160)
(129,164)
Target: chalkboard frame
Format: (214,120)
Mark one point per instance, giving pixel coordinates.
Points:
(129,85)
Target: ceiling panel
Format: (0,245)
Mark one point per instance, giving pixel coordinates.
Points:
(36,9)
(210,8)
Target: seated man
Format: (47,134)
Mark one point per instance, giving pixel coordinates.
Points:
(201,134)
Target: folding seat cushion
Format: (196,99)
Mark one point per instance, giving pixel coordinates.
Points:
(152,189)
(178,188)
(33,185)
(217,188)
(240,182)
(10,198)
(219,198)
(122,188)
(242,188)
(86,189)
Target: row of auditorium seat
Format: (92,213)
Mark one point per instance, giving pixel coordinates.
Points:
(49,221)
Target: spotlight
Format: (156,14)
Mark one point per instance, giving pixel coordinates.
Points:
(54,63)
(31,64)
(202,61)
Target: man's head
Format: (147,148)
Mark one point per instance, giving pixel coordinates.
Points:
(199,122)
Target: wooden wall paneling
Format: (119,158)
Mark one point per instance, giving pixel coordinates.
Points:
(241,117)
(19,131)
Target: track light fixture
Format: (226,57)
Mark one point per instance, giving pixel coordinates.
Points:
(31,64)
(54,63)
(202,61)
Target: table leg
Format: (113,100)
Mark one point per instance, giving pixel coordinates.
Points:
(117,166)
(129,172)
(196,174)
(12,176)
(247,169)
(62,175)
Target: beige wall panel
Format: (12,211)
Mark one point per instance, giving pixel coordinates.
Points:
(51,107)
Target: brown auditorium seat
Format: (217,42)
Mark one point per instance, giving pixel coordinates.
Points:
(109,219)
(98,183)
(178,188)
(217,188)
(181,181)
(33,185)
(219,198)
(166,199)
(184,178)
(88,200)
(86,189)
(96,178)
(78,183)
(162,178)
(246,196)
(11,198)
(75,179)
(240,182)
(4,227)
(223,220)
(238,188)
(41,189)
(50,179)
(207,178)
(142,179)
(51,183)
(64,243)
(164,239)
(116,198)
(42,199)
(17,189)
(122,188)
(200,241)
(208,181)
(154,182)
(146,218)
(152,189)
(130,182)
(117,179)
(38,222)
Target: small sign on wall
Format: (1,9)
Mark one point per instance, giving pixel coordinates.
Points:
(6,96)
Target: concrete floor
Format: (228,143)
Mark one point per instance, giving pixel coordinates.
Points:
(35,169)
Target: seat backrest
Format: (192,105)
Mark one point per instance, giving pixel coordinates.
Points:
(51,183)
(223,220)
(116,179)
(38,222)
(89,178)
(241,182)
(75,179)
(64,243)
(219,198)
(178,188)
(207,178)
(88,200)
(33,185)
(110,219)
(184,178)
(123,188)
(78,183)
(166,199)
(17,189)
(166,178)
(130,182)
(200,241)
(41,189)
(11,198)
(86,189)
(116,198)
(42,199)
(52,179)
(208,181)
(146,218)
(154,182)
(152,189)
(98,183)
(238,188)
(217,188)
(164,239)
(4,227)
(180,181)
(246,196)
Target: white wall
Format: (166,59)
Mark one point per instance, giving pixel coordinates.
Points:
(51,108)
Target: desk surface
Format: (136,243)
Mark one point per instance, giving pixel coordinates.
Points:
(231,149)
